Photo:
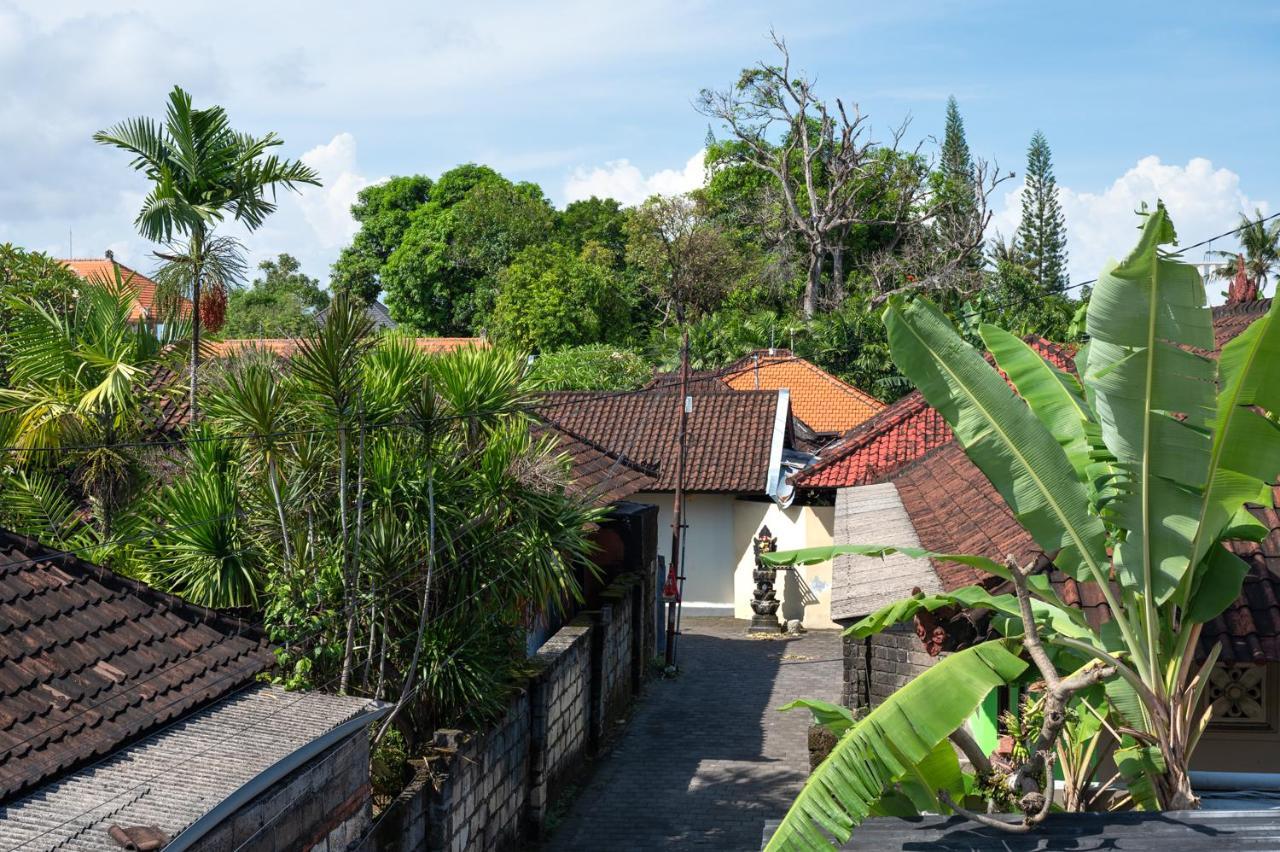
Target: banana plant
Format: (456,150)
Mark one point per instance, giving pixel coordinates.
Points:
(1130,478)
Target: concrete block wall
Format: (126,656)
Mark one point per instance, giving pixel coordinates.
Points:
(323,807)
(560,696)
(876,667)
(491,790)
(478,803)
(621,644)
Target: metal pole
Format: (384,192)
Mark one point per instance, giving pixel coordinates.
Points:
(677,504)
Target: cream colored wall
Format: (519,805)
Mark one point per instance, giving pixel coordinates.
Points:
(805,592)
(719,560)
(709,546)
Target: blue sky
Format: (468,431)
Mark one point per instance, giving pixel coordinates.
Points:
(1136,99)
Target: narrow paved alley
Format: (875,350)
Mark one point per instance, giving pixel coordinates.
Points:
(706,757)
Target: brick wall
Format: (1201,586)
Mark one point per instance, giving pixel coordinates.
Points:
(491,790)
(876,667)
(323,806)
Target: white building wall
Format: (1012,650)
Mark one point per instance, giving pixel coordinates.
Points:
(708,547)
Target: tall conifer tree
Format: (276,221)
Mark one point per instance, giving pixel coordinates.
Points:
(1042,235)
(957,176)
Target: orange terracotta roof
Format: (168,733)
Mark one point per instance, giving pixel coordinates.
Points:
(144,302)
(286,346)
(822,401)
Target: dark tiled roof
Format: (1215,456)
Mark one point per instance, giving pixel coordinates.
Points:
(954,509)
(729,439)
(1231,319)
(599,475)
(896,436)
(90,660)
(375,311)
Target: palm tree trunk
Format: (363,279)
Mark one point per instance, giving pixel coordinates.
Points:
(273,479)
(196,249)
(348,587)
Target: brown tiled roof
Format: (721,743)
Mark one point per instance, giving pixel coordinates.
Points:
(286,346)
(819,399)
(898,435)
(955,509)
(599,475)
(144,302)
(90,660)
(730,433)
(168,404)
(1231,319)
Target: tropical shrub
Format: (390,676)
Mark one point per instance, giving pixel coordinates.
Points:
(591,367)
(1130,480)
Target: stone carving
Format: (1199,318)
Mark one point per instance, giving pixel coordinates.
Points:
(1239,694)
(764,601)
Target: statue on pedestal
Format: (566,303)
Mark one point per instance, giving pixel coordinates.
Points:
(764,601)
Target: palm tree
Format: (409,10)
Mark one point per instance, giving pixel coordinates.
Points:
(1260,243)
(202,170)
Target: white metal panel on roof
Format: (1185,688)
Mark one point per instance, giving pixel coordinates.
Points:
(176,775)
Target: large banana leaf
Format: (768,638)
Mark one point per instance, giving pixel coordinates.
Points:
(1038,583)
(1054,396)
(1245,455)
(1001,436)
(902,732)
(1154,399)
(1062,620)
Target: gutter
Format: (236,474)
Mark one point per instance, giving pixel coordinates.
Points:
(273,774)
(776,485)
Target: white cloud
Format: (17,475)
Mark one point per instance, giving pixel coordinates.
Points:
(315,223)
(621,180)
(327,208)
(1202,200)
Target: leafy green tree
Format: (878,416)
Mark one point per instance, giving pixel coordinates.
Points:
(474,223)
(282,302)
(1042,234)
(31,276)
(594,220)
(384,213)
(593,366)
(684,263)
(492,224)
(550,298)
(202,171)
(1130,480)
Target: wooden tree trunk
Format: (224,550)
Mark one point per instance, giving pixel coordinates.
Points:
(813,287)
